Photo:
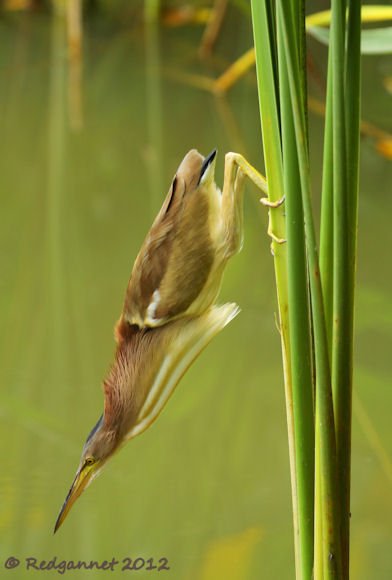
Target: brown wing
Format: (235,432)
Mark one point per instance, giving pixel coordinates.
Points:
(166,261)
(151,262)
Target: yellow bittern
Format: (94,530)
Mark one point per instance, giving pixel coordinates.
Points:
(169,314)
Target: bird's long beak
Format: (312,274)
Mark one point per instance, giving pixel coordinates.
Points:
(83,478)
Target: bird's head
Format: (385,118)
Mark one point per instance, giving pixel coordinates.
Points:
(197,171)
(99,447)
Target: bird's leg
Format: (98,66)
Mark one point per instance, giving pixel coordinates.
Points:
(232,194)
(236,167)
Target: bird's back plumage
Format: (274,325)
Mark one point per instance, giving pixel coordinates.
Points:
(177,256)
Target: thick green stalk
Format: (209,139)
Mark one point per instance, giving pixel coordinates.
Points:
(270,9)
(262,19)
(326,218)
(300,334)
(353,113)
(318,570)
(299,14)
(340,378)
(331,539)
(326,273)
(342,287)
(344,394)
(268,100)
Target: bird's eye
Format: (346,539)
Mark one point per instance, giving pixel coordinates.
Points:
(89,461)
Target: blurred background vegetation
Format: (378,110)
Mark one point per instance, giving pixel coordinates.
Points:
(99,102)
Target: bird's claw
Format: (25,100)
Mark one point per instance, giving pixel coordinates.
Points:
(273,204)
(265,201)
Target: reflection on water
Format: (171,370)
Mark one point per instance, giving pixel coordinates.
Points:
(208,485)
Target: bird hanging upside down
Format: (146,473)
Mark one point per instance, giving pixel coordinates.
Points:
(169,313)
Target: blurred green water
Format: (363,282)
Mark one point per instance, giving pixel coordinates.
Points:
(208,485)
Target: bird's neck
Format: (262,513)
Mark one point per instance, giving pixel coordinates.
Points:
(128,380)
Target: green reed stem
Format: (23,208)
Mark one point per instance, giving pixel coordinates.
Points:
(319,455)
(299,316)
(343,388)
(324,408)
(267,74)
(326,221)
(326,273)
